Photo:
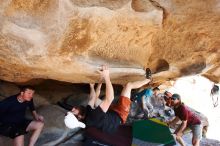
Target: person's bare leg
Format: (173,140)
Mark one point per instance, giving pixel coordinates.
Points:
(195,141)
(180,140)
(133,85)
(36,127)
(19,140)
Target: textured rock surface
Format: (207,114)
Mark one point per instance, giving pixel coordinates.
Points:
(68,40)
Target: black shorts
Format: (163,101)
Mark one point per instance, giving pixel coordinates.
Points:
(14,130)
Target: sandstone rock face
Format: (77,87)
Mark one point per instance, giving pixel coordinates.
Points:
(68,40)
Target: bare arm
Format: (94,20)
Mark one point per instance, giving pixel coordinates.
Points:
(109,92)
(181,128)
(97,91)
(173,122)
(37,116)
(92,95)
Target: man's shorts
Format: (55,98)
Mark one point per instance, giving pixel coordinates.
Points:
(122,107)
(14,130)
(196,131)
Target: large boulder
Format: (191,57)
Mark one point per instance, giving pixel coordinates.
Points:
(68,40)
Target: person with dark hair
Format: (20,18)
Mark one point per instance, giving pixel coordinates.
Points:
(214,94)
(167,98)
(188,120)
(13,123)
(107,117)
(23,88)
(94,101)
(143,99)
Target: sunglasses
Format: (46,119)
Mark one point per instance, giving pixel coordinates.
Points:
(173,98)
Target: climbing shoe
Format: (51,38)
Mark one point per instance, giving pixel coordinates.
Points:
(148,73)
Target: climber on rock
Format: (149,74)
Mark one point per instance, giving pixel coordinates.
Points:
(105,116)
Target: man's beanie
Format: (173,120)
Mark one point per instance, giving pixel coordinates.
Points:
(176,96)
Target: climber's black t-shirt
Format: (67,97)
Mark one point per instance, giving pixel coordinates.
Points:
(107,122)
(12,116)
(12,111)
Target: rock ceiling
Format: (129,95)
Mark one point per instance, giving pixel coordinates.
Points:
(68,40)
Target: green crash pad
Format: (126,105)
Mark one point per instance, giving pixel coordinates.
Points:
(151,132)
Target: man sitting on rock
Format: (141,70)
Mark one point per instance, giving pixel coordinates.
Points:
(143,99)
(105,117)
(13,123)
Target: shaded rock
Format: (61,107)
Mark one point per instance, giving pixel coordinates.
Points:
(7,89)
(55,91)
(40,101)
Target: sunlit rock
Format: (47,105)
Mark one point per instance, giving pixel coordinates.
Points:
(68,40)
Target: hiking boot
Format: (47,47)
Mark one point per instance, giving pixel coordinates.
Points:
(148,74)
